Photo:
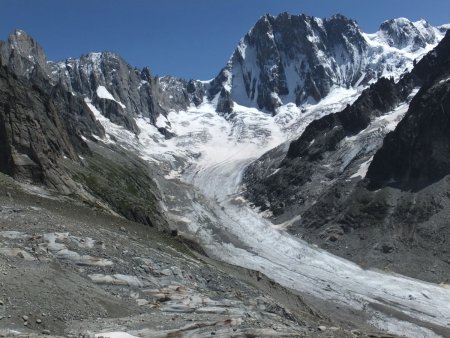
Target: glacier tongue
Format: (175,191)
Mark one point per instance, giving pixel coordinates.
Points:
(209,154)
(252,241)
(298,76)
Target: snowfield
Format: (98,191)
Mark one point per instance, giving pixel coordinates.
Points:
(103,93)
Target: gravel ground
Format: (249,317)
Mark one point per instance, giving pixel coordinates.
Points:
(70,270)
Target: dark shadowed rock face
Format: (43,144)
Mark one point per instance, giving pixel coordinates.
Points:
(42,123)
(33,137)
(416,153)
(77,117)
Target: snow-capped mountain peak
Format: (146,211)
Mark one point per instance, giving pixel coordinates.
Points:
(22,53)
(401,33)
(299,59)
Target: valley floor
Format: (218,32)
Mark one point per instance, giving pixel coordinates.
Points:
(68,269)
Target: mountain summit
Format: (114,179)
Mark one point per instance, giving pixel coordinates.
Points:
(411,36)
(299,58)
(22,53)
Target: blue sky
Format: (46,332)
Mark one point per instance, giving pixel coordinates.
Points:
(186,38)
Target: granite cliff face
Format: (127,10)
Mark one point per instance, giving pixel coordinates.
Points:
(41,123)
(299,59)
(33,137)
(22,54)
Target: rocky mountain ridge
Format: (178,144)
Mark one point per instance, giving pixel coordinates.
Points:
(282,59)
(45,134)
(122,91)
(119,90)
(290,58)
(415,155)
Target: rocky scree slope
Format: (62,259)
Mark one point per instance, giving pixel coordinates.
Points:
(68,270)
(299,59)
(396,217)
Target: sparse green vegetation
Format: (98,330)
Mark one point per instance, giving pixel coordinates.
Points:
(124,182)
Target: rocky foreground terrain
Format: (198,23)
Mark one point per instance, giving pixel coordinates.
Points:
(72,270)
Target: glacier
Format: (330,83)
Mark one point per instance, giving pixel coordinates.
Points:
(210,152)
(214,152)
